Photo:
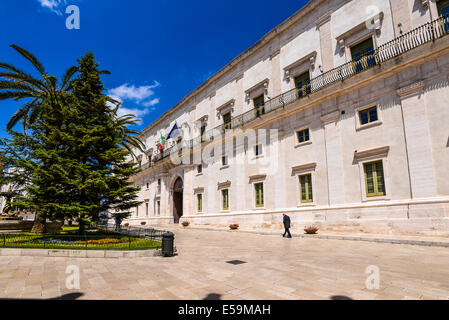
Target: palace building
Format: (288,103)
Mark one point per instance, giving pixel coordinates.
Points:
(338,117)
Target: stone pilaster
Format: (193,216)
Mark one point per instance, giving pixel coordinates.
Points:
(418,141)
(327,54)
(188,196)
(280,171)
(334,161)
(401,16)
(165,196)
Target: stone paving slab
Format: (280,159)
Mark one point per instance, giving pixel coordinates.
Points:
(381,238)
(275,268)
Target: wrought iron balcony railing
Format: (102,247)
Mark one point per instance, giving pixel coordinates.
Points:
(421,35)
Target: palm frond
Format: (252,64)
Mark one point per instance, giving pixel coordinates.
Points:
(16,95)
(17,116)
(24,77)
(35,110)
(67,76)
(13,85)
(30,57)
(10,67)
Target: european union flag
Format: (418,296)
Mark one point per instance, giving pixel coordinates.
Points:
(174,132)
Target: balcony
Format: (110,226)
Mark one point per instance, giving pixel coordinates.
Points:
(419,36)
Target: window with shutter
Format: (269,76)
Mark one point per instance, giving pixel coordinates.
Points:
(200,202)
(374,179)
(225,199)
(306,188)
(227,121)
(302,83)
(258,189)
(259,105)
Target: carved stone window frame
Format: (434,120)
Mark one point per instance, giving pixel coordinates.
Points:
(300,66)
(253,180)
(372,155)
(360,33)
(359,126)
(297,172)
(261,88)
(225,108)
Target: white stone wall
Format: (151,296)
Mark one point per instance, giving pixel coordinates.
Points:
(412,104)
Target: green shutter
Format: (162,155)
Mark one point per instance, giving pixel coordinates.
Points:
(306,188)
(225,199)
(374,179)
(200,202)
(258,187)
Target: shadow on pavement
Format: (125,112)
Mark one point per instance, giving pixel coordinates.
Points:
(68,296)
(340,298)
(213,296)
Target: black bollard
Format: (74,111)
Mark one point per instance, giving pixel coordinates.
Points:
(168,240)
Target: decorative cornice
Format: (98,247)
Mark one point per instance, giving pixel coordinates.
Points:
(274,53)
(263,83)
(373,153)
(361,26)
(304,168)
(203,119)
(228,104)
(198,189)
(225,184)
(330,117)
(257,177)
(411,90)
(310,58)
(323,19)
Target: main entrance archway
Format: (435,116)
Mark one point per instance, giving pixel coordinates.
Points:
(178,189)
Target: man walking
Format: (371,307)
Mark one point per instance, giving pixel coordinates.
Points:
(117,224)
(287,225)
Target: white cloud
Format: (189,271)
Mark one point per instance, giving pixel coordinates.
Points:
(142,98)
(151,102)
(52,5)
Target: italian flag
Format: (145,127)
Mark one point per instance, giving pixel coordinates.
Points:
(162,144)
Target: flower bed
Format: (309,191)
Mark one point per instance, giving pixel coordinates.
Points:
(75,242)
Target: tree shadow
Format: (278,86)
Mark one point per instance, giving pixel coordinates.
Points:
(213,296)
(67,296)
(340,298)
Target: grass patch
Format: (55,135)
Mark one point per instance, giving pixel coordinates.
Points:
(100,240)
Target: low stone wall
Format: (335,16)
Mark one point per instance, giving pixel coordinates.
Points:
(79,253)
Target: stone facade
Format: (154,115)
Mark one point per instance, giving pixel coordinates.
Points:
(408,138)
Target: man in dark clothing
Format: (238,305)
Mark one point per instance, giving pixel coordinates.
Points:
(117,224)
(287,226)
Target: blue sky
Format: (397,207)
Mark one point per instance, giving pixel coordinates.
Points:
(157,51)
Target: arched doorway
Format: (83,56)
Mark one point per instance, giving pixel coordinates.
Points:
(178,189)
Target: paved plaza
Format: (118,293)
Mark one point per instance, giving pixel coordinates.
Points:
(274,268)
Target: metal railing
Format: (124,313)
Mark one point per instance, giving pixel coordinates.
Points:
(421,35)
(147,233)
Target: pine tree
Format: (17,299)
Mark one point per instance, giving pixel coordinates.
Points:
(100,166)
(73,158)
